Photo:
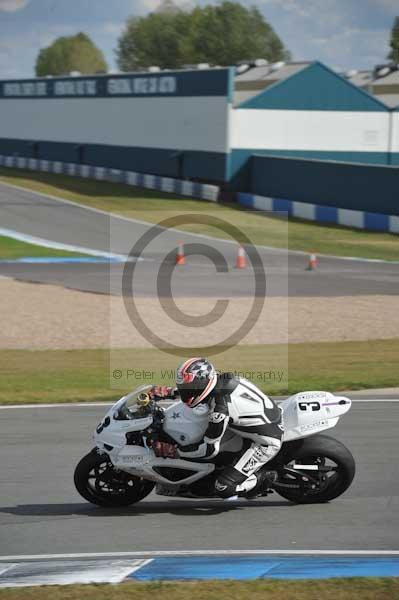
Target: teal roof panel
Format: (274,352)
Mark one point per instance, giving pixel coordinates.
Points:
(315,88)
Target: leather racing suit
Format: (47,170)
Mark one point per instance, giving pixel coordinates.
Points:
(238,405)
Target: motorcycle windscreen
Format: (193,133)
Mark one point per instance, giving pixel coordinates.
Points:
(137,404)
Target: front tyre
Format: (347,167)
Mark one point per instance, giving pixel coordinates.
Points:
(97,481)
(335,470)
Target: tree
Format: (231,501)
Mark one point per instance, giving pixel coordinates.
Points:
(167,6)
(220,35)
(394,53)
(153,40)
(67,54)
(228,33)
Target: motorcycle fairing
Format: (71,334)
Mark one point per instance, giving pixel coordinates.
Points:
(307,413)
(304,414)
(142,462)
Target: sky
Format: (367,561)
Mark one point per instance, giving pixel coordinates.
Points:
(344,34)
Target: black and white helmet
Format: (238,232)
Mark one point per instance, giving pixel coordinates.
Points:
(195,379)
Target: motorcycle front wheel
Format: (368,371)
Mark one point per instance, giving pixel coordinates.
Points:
(97,481)
(334,470)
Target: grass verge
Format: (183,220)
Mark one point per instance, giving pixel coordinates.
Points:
(84,375)
(155,206)
(327,589)
(11,249)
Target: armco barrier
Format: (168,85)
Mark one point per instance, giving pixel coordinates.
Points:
(180,187)
(323,214)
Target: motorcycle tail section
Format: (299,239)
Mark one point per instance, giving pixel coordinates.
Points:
(307,413)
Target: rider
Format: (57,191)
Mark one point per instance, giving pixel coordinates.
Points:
(233,403)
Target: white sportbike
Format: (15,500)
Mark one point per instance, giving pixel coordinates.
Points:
(123,469)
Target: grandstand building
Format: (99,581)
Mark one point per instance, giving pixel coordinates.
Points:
(230,126)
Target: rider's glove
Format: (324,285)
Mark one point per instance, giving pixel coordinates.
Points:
(164,450)
(162,391)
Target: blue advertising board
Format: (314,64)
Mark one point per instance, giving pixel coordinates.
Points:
(210,82)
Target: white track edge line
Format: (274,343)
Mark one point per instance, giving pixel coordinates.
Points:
(2,571)
(37,241)
(105,404)
(200,235)
(58,405)
(143,564)
(69,404)
(162,553)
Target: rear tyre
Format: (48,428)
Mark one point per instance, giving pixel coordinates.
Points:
(336,470)
(97,481)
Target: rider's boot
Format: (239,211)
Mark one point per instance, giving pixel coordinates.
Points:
(264,479)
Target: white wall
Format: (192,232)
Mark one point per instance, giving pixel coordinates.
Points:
(187,123)
(329,131)
(395,132)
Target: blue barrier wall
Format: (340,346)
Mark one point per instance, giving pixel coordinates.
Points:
(352,186)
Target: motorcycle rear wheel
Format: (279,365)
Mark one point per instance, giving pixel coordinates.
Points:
(98,482)
(335,461)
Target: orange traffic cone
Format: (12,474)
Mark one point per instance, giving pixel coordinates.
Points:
(241,261)
(312,264)
(180,259)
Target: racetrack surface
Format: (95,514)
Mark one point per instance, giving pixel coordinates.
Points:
(333,278)
(34,214)
(42,513)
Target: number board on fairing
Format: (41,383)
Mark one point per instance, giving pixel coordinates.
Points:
(312,405)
